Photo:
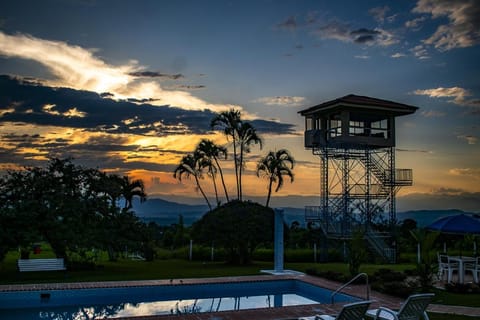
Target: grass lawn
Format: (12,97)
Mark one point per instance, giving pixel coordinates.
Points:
(126,269)
(123,270)
(456,299)
(438,316)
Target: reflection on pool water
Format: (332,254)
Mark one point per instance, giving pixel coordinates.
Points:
(158,307)
(160,300)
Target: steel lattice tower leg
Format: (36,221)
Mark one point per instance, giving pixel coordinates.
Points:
(391,168)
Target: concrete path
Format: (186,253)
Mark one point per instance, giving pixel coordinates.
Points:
(459,310)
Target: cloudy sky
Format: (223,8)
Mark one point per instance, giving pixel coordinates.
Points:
(131,86)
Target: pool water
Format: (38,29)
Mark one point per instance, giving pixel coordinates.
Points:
(160,300)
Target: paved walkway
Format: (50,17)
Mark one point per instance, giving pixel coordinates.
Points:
(444,309)
(290,312)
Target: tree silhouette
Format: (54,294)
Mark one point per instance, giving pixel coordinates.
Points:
(212,152)
(247,135)
(190,165)
(229,122)
(132,188)
(74,209)
(274,166)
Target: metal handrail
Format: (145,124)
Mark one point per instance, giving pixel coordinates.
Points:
(349,282)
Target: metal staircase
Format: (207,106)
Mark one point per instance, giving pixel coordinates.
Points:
(356,186)
(377,243)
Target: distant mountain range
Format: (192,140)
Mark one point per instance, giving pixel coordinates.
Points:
(165,212)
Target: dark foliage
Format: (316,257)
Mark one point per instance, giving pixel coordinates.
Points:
(74,209)
(463,287)
(392,282)
(330,275)
(239,227)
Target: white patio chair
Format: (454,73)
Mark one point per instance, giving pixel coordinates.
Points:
(414,308)
(442,266)
(452,266)
(474,268)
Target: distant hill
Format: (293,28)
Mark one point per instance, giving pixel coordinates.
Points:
(426,217)
(165,212)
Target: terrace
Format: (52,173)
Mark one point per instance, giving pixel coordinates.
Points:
(288,312)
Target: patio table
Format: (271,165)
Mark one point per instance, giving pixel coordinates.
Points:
(461,265)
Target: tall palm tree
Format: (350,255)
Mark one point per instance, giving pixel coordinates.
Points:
(212,151)
(207,163)
(229,122)
(247,135)
(132,188)
(274,166)
(190,165)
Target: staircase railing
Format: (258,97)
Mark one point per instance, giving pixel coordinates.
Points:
(332,296)
(380,247)
(401,177)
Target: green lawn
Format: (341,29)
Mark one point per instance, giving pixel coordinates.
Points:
(438,316)
(126,269)
(133,270)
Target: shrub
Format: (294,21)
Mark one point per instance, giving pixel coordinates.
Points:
(392,282)
(263,254)
(388,275)
(357,253)
(299,255)
(462,288)
(163,254)
(330,275)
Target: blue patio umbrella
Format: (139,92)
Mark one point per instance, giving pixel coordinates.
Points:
(458,224)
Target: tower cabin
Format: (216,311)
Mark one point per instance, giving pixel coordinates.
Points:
(353,121)
(355,139)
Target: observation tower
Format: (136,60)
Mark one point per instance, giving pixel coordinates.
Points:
(354,136)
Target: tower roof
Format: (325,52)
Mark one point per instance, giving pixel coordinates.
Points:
(362,102)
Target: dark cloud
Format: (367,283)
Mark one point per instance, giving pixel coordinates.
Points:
(155,74)
(343,32)
(289,24)
(364,35)
(364,39)
(23,104)
(98,114)
(141,100)
(63,107)
(191,87)
(363,31)
(265,126)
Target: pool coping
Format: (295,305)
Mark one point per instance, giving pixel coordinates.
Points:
(288,312)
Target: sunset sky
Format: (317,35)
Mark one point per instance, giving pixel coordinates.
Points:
(131,86)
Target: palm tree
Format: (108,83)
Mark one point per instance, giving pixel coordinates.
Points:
(206,162)
(212,152)
(274,166)
(229,122)
(190,165)
(132,188)
(247,135)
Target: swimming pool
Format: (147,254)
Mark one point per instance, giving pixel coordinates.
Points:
(160,299)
